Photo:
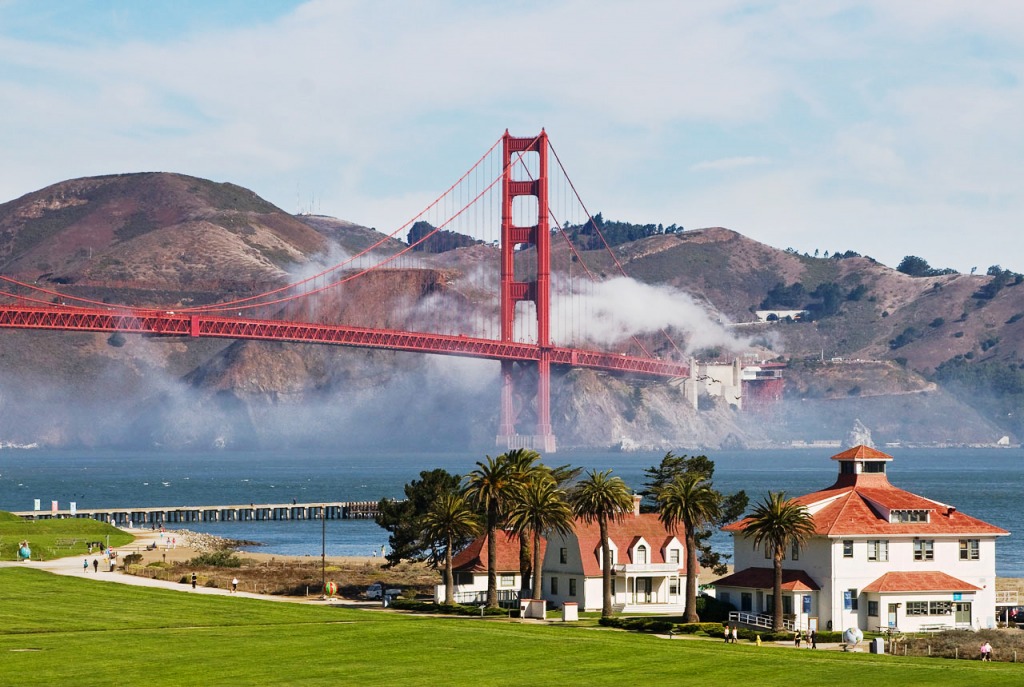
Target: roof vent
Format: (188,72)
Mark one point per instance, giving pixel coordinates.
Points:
(950,510)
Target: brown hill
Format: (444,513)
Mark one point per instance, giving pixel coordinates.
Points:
(161,238)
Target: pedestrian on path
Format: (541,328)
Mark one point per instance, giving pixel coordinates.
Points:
(193,580)
(95,565)
(735,634)
(85,565)
(814,639)
(728,634)
(234,585)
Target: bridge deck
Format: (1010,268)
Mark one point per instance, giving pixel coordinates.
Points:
(156,515)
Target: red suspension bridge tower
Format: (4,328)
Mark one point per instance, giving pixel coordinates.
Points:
(537,290)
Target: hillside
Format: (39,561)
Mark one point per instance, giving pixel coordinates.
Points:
(160,238)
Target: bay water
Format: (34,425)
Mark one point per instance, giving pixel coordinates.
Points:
(984,483)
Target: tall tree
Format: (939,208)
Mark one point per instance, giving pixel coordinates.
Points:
(689,500)
(404,519)
(601,498)
(539,510)
(491,488)
(526,465)
(732,505)
(778,523)
(450,520)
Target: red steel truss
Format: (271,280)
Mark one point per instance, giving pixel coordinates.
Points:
(171,324)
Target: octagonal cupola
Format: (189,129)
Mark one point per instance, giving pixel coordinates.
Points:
(860,462)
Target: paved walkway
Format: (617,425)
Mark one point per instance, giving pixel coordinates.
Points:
(72,566)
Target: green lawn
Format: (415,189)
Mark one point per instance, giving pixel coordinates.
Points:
(64,630)
(56,538)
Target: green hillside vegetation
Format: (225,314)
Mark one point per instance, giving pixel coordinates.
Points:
(115,634)
(55,538)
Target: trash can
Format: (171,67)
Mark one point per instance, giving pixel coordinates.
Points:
(877,646)
(570,612)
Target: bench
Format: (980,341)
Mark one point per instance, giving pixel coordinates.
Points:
(934,628)
(65,543)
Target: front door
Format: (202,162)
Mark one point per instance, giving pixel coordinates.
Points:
(962,612)
(643,590)
(892,615)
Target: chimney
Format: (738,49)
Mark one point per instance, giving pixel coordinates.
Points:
(637,498)
(950,510)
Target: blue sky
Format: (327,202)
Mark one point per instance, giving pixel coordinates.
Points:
(889,128)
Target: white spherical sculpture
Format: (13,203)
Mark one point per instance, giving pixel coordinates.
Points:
(853,635)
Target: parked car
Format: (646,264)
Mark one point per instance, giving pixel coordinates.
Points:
(378,591)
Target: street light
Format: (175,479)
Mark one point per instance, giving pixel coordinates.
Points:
(323,551)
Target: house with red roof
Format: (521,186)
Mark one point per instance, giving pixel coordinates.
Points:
(881,557)
(648,566)
(470,572)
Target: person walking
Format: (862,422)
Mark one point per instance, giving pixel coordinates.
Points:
(735,634)
(234,585)
(193,580)
(85,565)
(814,639)
(797,639)
(728,634)
(95,565)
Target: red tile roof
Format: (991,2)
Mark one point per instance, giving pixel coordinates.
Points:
(854,506)
(764,578)
(624,533)
(473,558)
(920,581)
(861,452)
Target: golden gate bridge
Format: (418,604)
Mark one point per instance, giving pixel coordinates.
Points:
(518,216)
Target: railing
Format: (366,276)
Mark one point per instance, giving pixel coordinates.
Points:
(757,620)
(1007,597)
(646,567)
(507,598)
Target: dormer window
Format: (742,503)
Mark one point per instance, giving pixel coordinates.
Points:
(641,555)
(908,516)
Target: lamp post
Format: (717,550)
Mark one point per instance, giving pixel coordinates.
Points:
(323,551)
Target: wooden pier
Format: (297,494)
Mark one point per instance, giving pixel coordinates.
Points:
(160,515)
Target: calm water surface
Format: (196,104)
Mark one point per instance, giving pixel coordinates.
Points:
(985,483)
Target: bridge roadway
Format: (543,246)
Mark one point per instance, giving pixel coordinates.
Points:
(169,323)
(159,515)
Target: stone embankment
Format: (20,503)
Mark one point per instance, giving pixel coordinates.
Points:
(206,543)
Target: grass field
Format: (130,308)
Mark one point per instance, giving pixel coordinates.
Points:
(55,538)
(64,630)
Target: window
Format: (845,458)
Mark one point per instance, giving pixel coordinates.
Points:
(873,609)
(563,555)
(908,516)
(673,555)
(554,585)
(969,549)
(572,586)
(850,599)
(724,597)
(673,589)
(507,581)
(878,549)
(796,551)
(641,555)
(787,605)
(929,608)
(924,549)
(873,466)
(746,601)
(847,548)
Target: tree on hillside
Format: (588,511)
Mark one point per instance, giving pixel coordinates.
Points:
(689,501)
(918,267)
(779,523)
(491,488)
(449,521)
(732,508)
(601,498)
(404,519)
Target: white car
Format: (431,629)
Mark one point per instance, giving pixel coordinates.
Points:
(377,591)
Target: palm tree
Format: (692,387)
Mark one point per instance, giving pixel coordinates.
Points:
(601,499)
(540,509)
(525,463)
(779,522)
(450,520)
(490,488)
(689,500)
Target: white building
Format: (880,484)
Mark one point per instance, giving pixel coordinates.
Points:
(469,569)
(881,557)
(648,566)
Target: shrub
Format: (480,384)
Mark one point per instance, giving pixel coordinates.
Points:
(132,559)
(225,558)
